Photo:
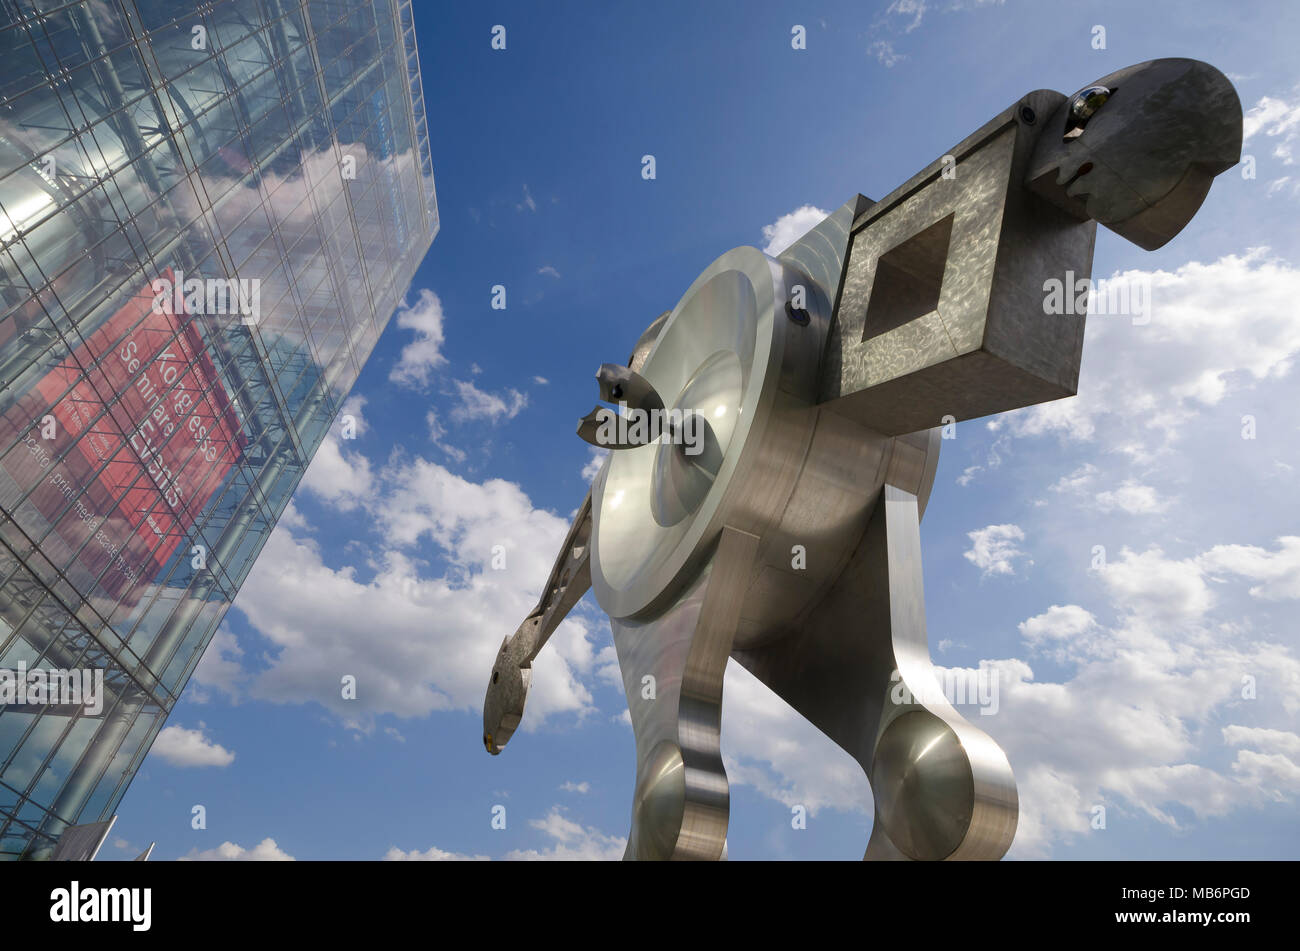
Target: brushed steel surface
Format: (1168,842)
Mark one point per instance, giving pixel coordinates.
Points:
(793,544)
(681,802)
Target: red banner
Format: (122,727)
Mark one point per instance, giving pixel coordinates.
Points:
(152,434)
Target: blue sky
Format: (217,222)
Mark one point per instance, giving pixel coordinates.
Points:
(1121,686)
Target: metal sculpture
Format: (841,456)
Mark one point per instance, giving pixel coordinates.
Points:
(815,382)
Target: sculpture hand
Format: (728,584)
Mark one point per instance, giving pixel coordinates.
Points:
(503,707)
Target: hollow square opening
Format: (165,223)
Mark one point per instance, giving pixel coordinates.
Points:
(908,280)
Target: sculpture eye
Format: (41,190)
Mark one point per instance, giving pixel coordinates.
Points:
(1083,106)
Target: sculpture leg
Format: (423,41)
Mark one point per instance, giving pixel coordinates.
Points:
(858,667)
(672,668)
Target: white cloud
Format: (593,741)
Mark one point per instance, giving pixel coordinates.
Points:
(264,851)
(1280,184)
(548,270)
(528,201)
(580,788)
(1278,572)
(768,745)
(1156,588)
(215,668)
(430,635)
(423,355)
(993,549)
(1273,741)
(292,518)
(1275,777)
(1124,731)
(885,54)
(432,854)
(1214,329)
(341,478)
(353,406)
(474,403)
(908,8)
(1170,650)
(1063,631)
(902,17)
(571,842)
(1077,480)
(438,436)
(1279,121)
(790,227)
(992,460)
(1133,498)
(181,747)
(595,460)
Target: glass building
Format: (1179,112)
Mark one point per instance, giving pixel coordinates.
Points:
(208,213)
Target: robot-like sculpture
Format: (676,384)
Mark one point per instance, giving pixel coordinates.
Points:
(788,537)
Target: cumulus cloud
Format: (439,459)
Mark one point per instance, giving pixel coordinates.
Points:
(1148,670)
(430,635)
(768,745)
(352,413)
(438,436)
(431,854)
(1133,498)
(1213,329)
(1264,739)
(264,851)
(1122,731)
(1278,572)
(1063,631)
(993,549)
(181,747)
(1157,588)
(595,460)
(1278,121)
(570,841)
(1077,480)
(339,476)
(423,355)
(473,403)
(220,665)
(790,227)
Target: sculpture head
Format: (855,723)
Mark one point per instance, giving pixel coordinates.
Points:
(1138,149)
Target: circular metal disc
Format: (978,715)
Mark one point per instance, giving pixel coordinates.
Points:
(655,508)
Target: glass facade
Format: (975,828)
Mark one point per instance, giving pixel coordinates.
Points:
(208,213)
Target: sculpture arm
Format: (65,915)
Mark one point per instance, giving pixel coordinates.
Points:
(512,670)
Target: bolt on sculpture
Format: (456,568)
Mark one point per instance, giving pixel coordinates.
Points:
(814,381)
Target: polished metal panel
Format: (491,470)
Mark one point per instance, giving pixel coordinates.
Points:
(730,322)
(672,670)
(793,543)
